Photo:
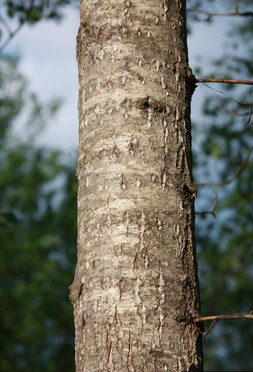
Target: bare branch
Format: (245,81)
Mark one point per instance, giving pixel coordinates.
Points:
(216,318)
(11,35)
(235,13)
(229,180)
(234,113)
(238,114)
(224,81)
(236,6)
(241,103)
(211,211)
(250,116)
(5,24)
(203,213)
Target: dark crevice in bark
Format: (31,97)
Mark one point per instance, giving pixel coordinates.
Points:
(150,103)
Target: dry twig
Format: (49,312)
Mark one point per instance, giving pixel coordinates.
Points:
(211,211)
(224,81)
(10,33)
(239,170)
(216,318)
(235,13)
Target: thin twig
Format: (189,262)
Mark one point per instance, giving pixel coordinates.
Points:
(239,114)
(211,211)
(234,113)
(241,167)
(205,333)
(11,36)
(203,213)
(224,81)
(236,6)
(223,14)
(250,116)
(216,318)
(5,24)
(241,103)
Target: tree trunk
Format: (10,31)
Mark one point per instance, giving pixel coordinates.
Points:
(135,290)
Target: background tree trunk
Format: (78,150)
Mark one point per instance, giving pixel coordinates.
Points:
(135,289)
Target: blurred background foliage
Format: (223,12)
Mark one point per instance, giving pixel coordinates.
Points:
(32,11)
(223,151)
(38,206)
(37,235)
(37,217)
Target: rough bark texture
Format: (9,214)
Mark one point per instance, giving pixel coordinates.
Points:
(135,289)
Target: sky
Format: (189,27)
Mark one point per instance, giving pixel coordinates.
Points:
(47,52)
(48,60)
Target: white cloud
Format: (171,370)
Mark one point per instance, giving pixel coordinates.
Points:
(48,60)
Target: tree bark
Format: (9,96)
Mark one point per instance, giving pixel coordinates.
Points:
(135,289)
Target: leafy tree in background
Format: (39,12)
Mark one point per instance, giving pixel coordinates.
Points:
(37,217)
(33,11)
(37,234)
(16,13)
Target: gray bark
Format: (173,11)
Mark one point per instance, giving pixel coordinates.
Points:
(135,289)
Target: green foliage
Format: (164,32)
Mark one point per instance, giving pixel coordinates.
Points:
(32,11)
(38,235)
(15,13)
(12,86)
